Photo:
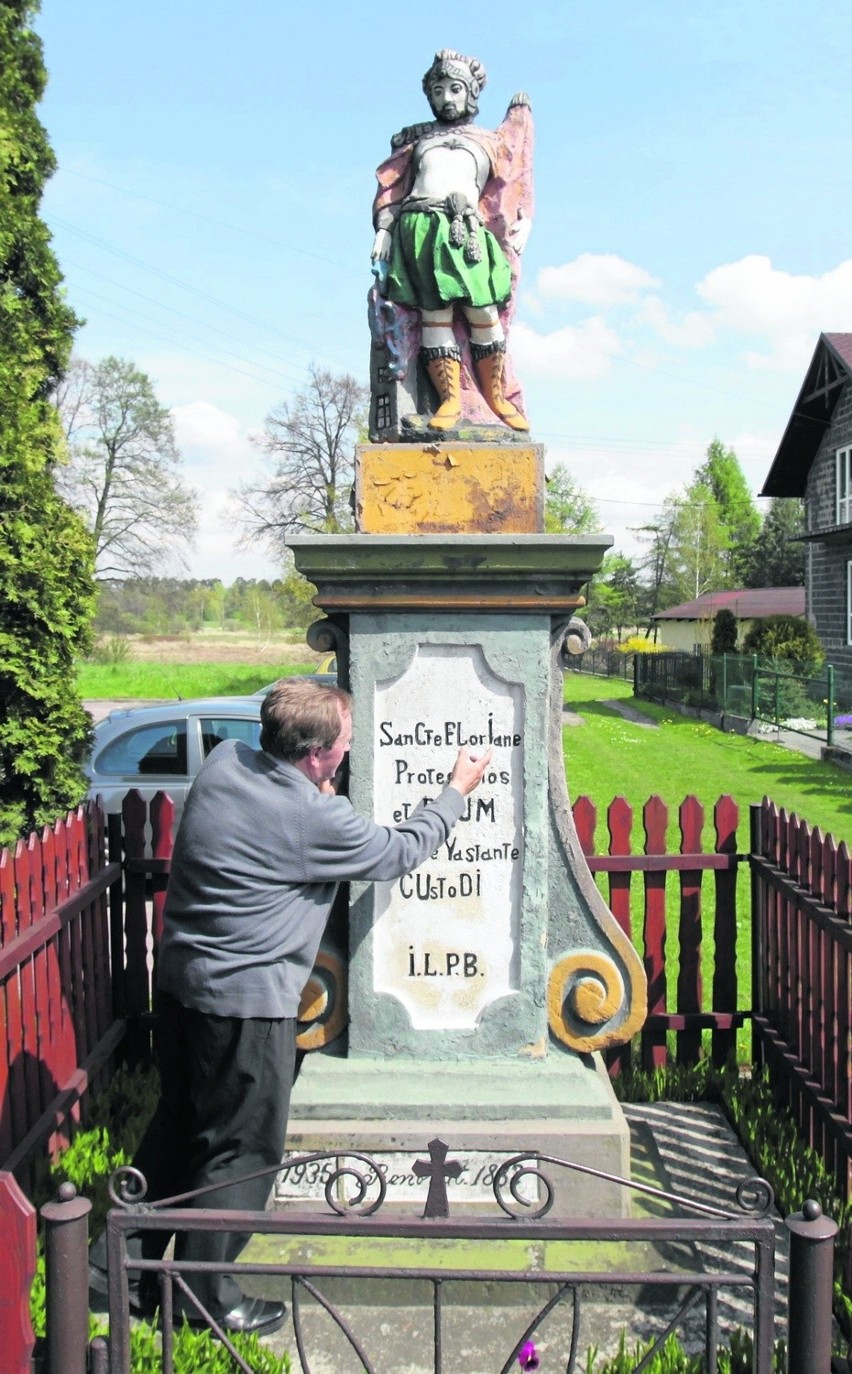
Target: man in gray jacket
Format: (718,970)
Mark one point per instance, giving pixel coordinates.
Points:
(263,844)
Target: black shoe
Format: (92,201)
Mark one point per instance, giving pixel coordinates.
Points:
(143,1292)
(249,1314)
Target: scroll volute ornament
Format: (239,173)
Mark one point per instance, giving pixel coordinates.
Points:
(323,1006)
(596,998)
(585,991)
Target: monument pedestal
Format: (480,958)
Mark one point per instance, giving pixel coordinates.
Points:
(562,1106)
(480,986)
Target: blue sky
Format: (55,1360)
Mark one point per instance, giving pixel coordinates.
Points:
(212,215)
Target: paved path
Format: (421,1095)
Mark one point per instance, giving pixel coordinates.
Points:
(695,1153)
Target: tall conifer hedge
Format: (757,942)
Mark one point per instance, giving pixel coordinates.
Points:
(46,582)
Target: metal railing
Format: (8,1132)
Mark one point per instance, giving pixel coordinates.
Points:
(524,1190)
(747,687)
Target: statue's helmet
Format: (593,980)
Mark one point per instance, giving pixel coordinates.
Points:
(454,64)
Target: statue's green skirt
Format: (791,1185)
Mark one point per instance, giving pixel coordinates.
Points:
(429,272)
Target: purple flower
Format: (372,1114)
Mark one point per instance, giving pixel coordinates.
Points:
(843,722)
(527,1358)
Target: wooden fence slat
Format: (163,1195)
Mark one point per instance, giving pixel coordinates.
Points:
(17,1269)
(50,1019)
(619,826)
(585,820)
(655,819)
(801,943)
(162,832)
(817,939)
(828,975)
(7,1014)
(842,989)
(689,989)
(29,1035)
(725,820)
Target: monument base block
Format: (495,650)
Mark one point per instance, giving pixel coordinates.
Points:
(449,488)
(485,1112)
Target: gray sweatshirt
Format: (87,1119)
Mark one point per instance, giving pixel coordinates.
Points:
(257,861)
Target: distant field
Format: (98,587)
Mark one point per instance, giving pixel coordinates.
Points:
(196,665)
(160,681)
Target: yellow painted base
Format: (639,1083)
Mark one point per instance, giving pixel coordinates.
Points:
(445,487)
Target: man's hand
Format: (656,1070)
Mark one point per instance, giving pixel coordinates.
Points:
(468,770)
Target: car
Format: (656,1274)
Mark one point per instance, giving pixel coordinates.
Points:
(160,748)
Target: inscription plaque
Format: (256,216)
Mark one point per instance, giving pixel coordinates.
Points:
(446,936)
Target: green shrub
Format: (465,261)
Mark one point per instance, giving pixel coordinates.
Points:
(671,1358)
(111,649)
(787,637)
(724,639)
(194,1351)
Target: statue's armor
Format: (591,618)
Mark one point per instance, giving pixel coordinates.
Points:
(445,164)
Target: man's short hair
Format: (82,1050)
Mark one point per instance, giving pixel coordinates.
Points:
(297,716)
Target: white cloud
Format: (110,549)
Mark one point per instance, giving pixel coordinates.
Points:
(752,297)
(217,454)
(576,353)
(695,329)
(202,425)
(601,279)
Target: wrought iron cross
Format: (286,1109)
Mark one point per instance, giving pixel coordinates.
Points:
(437,1170)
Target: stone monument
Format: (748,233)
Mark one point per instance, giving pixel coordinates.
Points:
(481,986)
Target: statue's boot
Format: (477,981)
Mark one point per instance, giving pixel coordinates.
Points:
(489,371)
(445,374)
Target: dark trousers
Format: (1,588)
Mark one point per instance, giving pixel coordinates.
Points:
(225,1097)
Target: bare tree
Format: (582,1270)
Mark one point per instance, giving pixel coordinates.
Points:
(309,443)
(122,468)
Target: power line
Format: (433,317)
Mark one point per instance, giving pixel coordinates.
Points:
(183,286)
(128,310)
(208,219)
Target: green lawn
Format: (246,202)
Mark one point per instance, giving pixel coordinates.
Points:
(607,756)
(150,681)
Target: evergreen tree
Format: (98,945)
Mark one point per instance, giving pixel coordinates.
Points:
(738,515)
(776,560)
(46,587)
(725,631)
(567,507)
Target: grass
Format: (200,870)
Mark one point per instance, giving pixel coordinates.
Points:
(151,681)
(607,756)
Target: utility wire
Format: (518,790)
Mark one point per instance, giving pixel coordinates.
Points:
(208,219)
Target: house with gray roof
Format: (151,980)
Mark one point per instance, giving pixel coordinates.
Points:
(814,461)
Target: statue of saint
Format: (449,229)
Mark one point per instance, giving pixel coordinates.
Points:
(452,214)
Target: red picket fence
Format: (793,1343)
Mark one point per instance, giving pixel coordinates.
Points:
(802,972)
(56,983)
(689,862)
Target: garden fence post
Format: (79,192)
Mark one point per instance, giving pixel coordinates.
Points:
(829,706)
(777,721)
(724,684)
(754,686)
(66,1254)
(810,1290)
